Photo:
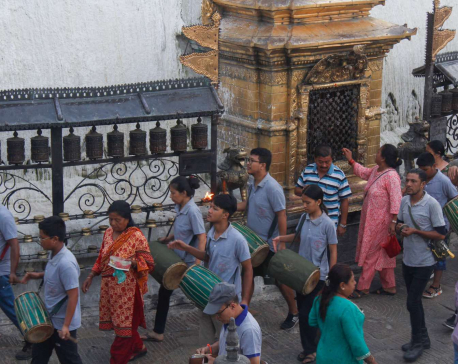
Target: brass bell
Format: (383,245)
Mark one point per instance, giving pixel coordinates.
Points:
(86,231)
(28,238)
(158,139)
(94,144)
(92,249)
(137,141)
(115,142)
(64,216)
(436,104)
(15,148)
(199,135)
(38,218)
(455,99)
(158,206)
(39,148)
(72,147)
(179,137)
(103,227)
(447,98)
(151,223)
(88,214)
(136,209)
(43,254)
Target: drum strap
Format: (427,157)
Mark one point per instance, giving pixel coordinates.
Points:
(58,306)
(274,224)
(295,243)
(5,249)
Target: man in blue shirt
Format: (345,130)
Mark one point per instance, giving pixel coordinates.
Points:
(61,287)
(332,181)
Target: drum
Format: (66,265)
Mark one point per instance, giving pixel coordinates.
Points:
(258,247)
(451,211)
(168,267)
(197,284)
(34,321)
(294,271)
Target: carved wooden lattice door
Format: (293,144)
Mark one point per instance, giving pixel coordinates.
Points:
(332,120)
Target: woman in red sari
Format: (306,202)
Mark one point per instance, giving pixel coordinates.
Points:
(121,292)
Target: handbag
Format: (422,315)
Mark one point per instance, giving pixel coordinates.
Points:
(392,246)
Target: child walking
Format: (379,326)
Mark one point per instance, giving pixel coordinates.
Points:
(317,235)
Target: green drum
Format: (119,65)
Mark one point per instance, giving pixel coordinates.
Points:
(168,267)
(451,211)
(294,271)
(258,247)
(197,284)
(33,319)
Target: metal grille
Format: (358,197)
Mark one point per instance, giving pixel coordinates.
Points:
(332,120)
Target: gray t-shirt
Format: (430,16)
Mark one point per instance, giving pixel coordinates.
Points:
(316,235)
(442,189)
(8,231)
(427,213)
(226,255)
(249,332)
(188,222)
(265,201)
(61,275)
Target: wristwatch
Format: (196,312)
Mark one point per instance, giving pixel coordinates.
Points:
(342,225)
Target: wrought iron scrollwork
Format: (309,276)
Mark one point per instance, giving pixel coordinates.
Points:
(452,133)
(11,186)
(139,182)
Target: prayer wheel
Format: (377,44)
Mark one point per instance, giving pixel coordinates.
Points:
(199,135)
(15,148)
(94,144)
(157,139)
(115,143)
(179,137)
(137,143)
(436,105)
(455,99)
(39,148)
(447,98)
(72,147)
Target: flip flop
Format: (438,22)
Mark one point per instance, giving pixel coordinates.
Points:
(309,359)
(141,353)
(148,337)
(301,356)
(380,291)
(358,294)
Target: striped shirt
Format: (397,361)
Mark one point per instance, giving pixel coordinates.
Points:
(334,185)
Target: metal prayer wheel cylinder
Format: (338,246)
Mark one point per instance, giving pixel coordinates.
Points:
(38,218)
(137,141)
(28,238)
(64,216)
(16,220)
(199,135)
(136,209)
(88,214)
(43,254)
(39,148)
(86,231)
(72,147)
(151,223)
(158,206)
(157,139)
(179,137)
(94,144)
(171,221)
(92,249)
(436,105)
(454,99)
(29,270)
(15,148)
(447,98)
(103,227)
(115,143)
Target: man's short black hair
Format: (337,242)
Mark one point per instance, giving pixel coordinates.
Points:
(53,226)
(265,156)
(226,202)
(421,173)
(425,160)
(323,150)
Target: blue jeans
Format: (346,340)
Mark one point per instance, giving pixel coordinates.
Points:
(7,299)
(456,353)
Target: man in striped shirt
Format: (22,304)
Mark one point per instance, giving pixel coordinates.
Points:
(332,181)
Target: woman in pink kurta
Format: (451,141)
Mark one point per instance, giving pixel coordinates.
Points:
(382,199)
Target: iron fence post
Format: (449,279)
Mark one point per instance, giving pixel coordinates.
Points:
(57,171)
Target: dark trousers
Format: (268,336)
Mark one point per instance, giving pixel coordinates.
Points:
(66,350)
(163,304)
(308,333)
(416,279)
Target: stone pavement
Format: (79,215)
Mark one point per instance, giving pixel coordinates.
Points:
(386,329)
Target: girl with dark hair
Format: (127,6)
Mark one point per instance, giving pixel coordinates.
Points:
(340,321)
(317,233)
(382,200)
(437,149)
(188,227)
(122,290)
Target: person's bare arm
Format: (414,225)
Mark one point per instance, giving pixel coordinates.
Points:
(343,216)
(255,360)
(247,281)
(202,241)
(282,223)
(241,206)
(64,333)
(332,255)
(433,235)
(14,256)
(298,191)
(181,245)
(370,360)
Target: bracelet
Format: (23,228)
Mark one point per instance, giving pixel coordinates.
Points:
(351,162)
(342,225)
(210,349)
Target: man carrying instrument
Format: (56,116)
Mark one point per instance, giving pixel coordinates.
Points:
(332,181)
(62,300)
(9,260)
(226,254)
(266,216)
(224,304)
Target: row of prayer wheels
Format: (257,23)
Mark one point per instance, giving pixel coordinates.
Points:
(445,102)
(40,150)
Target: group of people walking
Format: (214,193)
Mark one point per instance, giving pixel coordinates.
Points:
(328,309)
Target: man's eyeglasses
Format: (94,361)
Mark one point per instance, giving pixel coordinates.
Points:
(221,312)
(251,161)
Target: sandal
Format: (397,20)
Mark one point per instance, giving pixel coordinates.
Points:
(380,291)
(309,359)
(301,356)
(432,292)
(141,353)
(149,337)
(358,294)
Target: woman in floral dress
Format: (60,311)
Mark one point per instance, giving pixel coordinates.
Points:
(378,218)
